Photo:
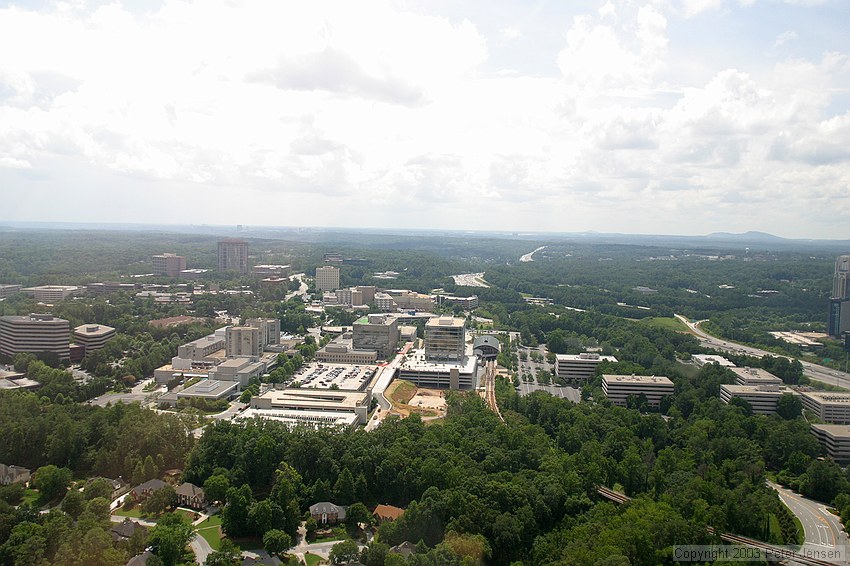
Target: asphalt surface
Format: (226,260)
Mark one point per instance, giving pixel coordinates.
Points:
(136,395)
(823,530)
(810,370)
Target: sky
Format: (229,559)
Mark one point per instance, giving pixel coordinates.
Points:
(647,117)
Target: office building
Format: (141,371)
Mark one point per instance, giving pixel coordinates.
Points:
(378,333)
(240,370)
(168,264)
(836,439)
(618,388)
(702,359)
(269,330)
(312,407)
(35,333)
(445,339)
(51,293)
(459,374)
(466,303)
(9,290)
(839,303)
(763,399)
(385,302)
(327,278)
(233,255)
(579,367)
(202,348)
(270,270)
(341,351)
(242,341)
(93,336)
(755,376)
(828,406)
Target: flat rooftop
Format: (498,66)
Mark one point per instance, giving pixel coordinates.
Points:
(828,397)
(586,357)
(756,374)
(302,418)
(642,379)
(445,322)
(713,359)
(318,399)
(93,330)
(835,430)
(755,389)
(212,388)
(346,377)
(417,362)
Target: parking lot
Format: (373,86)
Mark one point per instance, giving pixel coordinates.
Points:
(325,376)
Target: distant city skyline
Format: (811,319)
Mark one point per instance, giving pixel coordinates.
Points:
(651,117)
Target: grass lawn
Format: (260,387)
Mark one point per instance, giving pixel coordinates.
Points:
(186,513)
(775,532)
(403,391)
(209,529)
(311,559)
(668,323)
(135,512)
(30,496)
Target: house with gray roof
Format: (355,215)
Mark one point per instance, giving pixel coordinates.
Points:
(326,513)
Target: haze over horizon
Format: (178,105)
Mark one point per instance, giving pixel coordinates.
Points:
(648,117)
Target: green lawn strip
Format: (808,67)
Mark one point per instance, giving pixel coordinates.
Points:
(30,496)
(212,535)
(312,559)
(135,512)
(668,323)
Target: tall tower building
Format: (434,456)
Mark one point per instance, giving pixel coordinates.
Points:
(445,339)
(327,278)
(233,255)
(35,333)
(168,264)
(839,304)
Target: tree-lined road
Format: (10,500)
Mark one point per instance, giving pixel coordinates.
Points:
(823,530)
(812,371)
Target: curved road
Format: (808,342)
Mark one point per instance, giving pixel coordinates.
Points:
(823,529)
(812,371)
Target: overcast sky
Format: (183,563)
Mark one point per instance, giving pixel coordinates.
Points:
(668,117)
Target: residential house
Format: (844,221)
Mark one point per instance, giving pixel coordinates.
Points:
(384,513)
(126,529)
(145,490)
(405,549)
(190,495)
(140,559)
(326,513)
(13,474)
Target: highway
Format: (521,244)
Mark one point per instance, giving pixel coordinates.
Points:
(812,371)
(822,528)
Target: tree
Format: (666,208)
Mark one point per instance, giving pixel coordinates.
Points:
(311,526)
(375,554)
(344,552)
(170,537)
(73,503)
(357,513)
(51,482)
(98,487)
(789,406)
(227,555)
(234,515)
(160,500)
(276,541)
(215,488)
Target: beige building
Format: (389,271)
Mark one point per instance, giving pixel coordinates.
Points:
(242,341)
(762,398)
(579,367)
(828,406)
(35,333)
(315,407)
(269,330)
(618,388)
(241,370)
(270,270)
(51,293)
(385,302)
(168,264)
(9,290)
(327,278)
(201,348)
(836,439)
(421,371)
(755,376)
(445,339)
(376,332)
(93,336)
(233,255)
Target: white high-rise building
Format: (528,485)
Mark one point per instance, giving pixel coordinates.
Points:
(242,342)
(327,278)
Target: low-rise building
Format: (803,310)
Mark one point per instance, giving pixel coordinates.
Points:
(191,496)
(314,407)
(836,439)
(207,389)
(202,348)
(9,290)
(93,336)
(13,474)
(466,303)
(270,270)
(387,513)
(51,293)
(486,347)
(618,388)
(326,513)
(124,531)
(754,376)
(240,370)
(828,406)
(421,371)
(702,359)
(579,367)
(35,333)
(145,490)
(762,398)
(342,352)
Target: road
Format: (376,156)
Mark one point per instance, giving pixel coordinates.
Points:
(383,380)
(201,548)
(530,256)
(822,528)
(812,371)
(302,289)
(136,394)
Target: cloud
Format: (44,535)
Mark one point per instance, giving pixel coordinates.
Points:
(785,37)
